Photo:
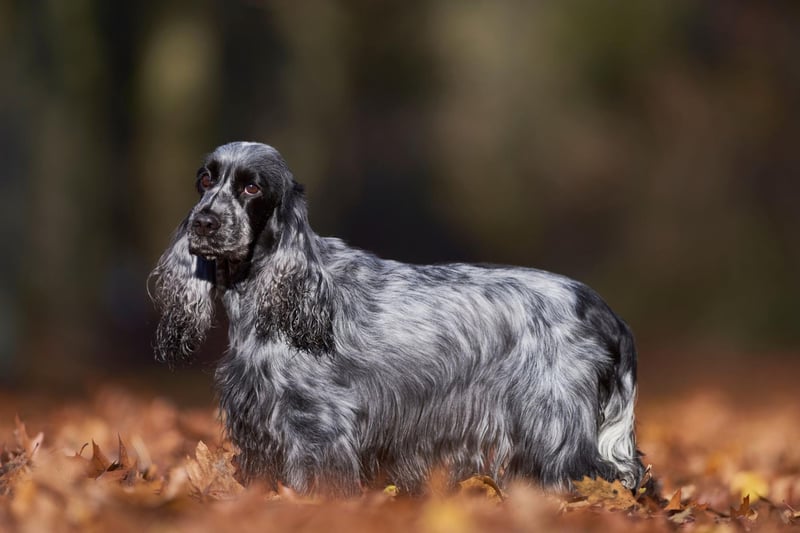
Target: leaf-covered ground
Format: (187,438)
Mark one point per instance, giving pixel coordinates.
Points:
(133,462)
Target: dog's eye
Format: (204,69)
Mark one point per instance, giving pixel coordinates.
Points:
(251,189)
(206,182)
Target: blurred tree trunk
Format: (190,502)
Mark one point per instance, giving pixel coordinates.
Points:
(176,97)
(68,188)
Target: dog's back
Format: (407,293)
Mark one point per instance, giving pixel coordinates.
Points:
(504,371)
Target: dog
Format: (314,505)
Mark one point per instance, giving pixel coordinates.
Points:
(345,370)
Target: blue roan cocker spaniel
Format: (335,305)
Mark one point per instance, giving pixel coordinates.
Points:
(346,370)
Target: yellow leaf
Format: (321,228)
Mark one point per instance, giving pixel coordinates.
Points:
(748,483)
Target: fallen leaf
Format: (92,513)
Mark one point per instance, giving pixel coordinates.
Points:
(13,471)
(123,461)
(16,463)
(683,517)
(744,510)
(580,504)
(748,483)
(484,486)
(675,502)
(30,446)
(212,474)
(610,495)
(789,515)
(98,464)
(44,485)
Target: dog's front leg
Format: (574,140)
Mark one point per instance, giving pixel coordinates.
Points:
(320,446)
(330,469)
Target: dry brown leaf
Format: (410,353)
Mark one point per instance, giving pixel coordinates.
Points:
(13,471)
(744,510)
(54,493)
(675,502)
(684,516)
(30,446)
(611,495)
(98,464)
(123,461)
(483,486)
(123,470)
(212,474)
(789,515)
(16,463)
(695,512)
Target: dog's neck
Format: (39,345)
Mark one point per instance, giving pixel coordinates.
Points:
(221,273)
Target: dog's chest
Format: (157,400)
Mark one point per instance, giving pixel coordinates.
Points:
(241,314)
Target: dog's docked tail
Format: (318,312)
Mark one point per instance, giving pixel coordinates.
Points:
(616,436)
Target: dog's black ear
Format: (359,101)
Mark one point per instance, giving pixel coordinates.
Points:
(183,291)
(293,289)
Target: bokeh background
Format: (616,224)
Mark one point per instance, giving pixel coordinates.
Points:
(647,148)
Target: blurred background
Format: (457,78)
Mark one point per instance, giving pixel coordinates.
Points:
(647,148)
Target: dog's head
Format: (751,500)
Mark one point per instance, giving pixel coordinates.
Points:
(249,227)
(240,186)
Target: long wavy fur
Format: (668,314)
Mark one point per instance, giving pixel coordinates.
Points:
(345,369)
(183,291)
(294,292)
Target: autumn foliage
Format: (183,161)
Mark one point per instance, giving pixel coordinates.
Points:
(128,462)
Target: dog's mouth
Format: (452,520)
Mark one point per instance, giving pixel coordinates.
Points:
(208,254)
(212,251)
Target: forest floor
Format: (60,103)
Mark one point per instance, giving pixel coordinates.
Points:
(725,453)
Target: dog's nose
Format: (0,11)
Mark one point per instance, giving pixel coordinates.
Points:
(205,224)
